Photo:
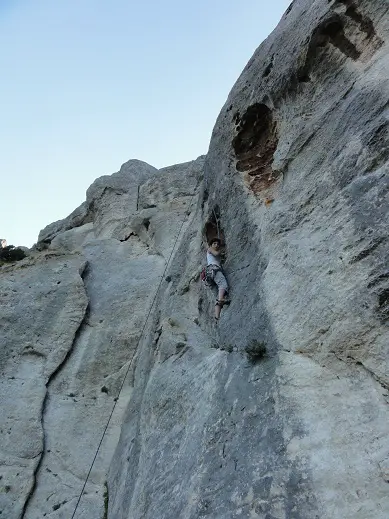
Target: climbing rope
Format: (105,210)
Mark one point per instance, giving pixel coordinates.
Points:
(130,364)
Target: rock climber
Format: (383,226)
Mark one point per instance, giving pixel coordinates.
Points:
(216,274)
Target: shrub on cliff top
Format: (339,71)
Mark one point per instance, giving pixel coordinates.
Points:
(11,253)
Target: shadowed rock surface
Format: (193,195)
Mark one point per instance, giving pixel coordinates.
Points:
(296,182)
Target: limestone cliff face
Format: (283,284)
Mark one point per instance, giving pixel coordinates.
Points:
(72,316)
(296,182)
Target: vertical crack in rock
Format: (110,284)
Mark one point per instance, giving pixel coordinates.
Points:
(106,500)
(137,198)
(52,377)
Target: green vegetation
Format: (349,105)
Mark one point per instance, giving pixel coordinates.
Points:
(255,351)
(11,253)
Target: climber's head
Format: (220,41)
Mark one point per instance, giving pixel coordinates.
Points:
(215,243)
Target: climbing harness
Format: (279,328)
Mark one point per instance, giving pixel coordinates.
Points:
(208,274)
(130,364)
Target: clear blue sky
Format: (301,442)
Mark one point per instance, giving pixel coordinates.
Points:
(88,84)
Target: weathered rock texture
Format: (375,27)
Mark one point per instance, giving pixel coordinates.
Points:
(296,181)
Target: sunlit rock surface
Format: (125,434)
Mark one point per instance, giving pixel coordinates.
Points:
(296,183)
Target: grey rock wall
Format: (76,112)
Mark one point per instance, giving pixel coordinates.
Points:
(297,169)
(72,316)
(108,336)
(43,304)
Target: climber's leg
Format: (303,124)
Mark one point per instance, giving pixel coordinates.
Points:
(222,286)
(219,304)
(221,294)
(218,308)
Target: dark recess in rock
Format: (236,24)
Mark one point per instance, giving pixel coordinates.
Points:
(254,146)
(378,145)
(332,31)
(212,228)
(269,67)
(383,304)
(329,32)
(378,279)
(365,22)
(371,247)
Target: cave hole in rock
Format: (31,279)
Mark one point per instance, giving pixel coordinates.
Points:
(329,32)
(334,33)
(365,23)
(303,78)
(146,224)
(255,145)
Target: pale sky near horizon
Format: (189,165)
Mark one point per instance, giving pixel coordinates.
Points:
(89,84)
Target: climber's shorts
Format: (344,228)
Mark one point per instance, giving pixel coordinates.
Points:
(220,280)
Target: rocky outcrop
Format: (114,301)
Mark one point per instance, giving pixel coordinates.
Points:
(137,404)
(72,319)
(109,198)
(43,307)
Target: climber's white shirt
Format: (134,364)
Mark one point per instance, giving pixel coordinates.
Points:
(212,260)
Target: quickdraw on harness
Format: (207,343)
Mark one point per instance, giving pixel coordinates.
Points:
(208,274)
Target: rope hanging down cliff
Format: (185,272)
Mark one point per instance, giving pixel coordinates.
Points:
(130,364)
